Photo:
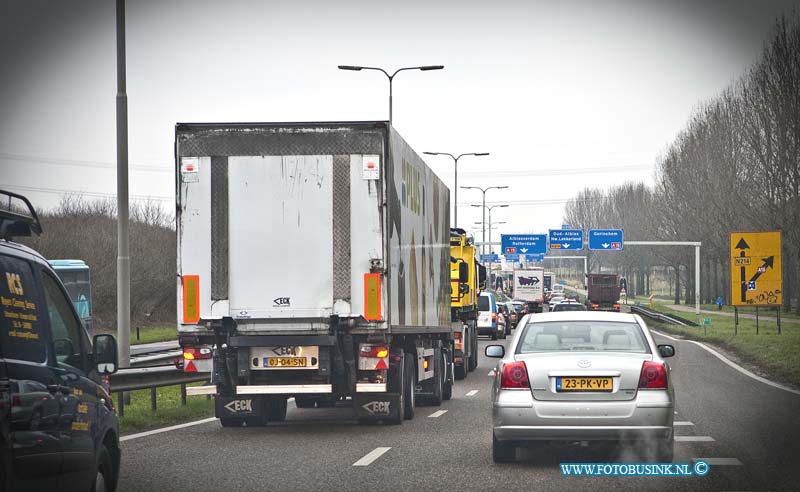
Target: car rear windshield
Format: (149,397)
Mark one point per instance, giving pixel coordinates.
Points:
(569,307)
(483,303)
(560,336)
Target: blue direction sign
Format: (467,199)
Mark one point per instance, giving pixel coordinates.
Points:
(566,239)
(605,239)
(489,258)
(523,244)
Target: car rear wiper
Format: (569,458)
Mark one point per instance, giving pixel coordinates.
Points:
(583,347)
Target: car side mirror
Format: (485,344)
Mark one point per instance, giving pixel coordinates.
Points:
(666,350)
(463,272)
(495,351)
(105,354)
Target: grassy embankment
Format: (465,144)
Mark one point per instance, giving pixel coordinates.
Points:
(139,417)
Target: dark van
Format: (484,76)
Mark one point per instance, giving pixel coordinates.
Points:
(58,428)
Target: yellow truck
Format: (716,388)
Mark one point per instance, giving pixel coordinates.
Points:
(467,278)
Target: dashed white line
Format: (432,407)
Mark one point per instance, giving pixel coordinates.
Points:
(437,414)
(491,373)
(166,429)
(682,422)
(371,456)
(694,439)
(472,393)
(720,461)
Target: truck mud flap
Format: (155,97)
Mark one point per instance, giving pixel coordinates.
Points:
(377,406)
(242,406)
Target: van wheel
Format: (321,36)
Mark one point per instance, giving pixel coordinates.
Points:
(409,386)
(104,478)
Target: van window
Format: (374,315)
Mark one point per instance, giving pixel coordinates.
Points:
(483,303)
(64,325)
(22,334)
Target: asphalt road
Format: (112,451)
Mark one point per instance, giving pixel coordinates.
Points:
(723,415)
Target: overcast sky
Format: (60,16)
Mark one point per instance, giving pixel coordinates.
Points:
(564,94)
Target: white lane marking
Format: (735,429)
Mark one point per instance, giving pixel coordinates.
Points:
(371,456)
(682,422)
(720,461)
(734,365)
(694,439)
(437,414)
(472,393)
(491,373)
(166,429)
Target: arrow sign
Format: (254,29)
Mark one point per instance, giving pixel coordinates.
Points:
(605,239)
(763,268)
(742,245)
(565,245)
(523,250)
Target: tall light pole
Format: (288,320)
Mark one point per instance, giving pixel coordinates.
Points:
(455,184)
(424,68)
(484,190)
(123,247)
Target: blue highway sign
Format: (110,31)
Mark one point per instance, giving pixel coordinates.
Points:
(523,244)
(566,239)
(489,258)
(605,239)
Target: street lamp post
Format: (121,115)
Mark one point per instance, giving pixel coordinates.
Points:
(424,68)
(484,190)
(455,184)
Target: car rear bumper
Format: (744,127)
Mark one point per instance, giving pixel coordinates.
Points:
(517,417)
(488,330)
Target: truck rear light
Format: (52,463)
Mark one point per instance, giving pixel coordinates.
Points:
(193,353)
(191,298)
(595,306)
(653,375)
(373,357)
(459,344)
(514,376)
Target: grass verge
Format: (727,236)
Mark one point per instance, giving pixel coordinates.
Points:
(775,356)
(138,416)
(150,334)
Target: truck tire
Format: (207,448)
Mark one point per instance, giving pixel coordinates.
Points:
(447,388)
(472,363)
(438,376)
(402,392)
(276,409)
(409,385)
(231,421)
(460,370)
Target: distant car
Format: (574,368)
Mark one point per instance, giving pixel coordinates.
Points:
(582,376)
(487,315)
(515,310)
(567,305)
(556,299)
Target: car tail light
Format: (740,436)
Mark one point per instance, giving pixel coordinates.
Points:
(514,376)
(193,353)
(653,375)
(373,357)
(494,317)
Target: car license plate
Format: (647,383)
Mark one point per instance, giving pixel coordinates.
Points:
(285,362)
(564,384)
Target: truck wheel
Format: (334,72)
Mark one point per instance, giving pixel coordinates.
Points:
(447,387)
(276,409)
(303,402)
(409,385)
(503,452)
(460,371)
(231,421)
(438,375)
(472,362)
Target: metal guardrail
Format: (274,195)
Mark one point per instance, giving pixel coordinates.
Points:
(155,358)
(667,318)
(138,378)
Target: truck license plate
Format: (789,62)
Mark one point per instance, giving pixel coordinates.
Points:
(285,362)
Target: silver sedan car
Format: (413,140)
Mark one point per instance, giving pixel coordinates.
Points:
(582,376)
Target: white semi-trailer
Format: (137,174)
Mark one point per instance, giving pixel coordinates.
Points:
(529,287)
(314,263)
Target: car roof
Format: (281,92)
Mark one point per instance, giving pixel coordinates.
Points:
(583,316)
(21,251)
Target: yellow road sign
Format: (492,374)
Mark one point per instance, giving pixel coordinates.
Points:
(756,271)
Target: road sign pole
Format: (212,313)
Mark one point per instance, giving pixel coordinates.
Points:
(756,320)
(735,321)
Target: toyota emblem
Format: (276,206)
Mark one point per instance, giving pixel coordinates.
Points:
(584,363)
